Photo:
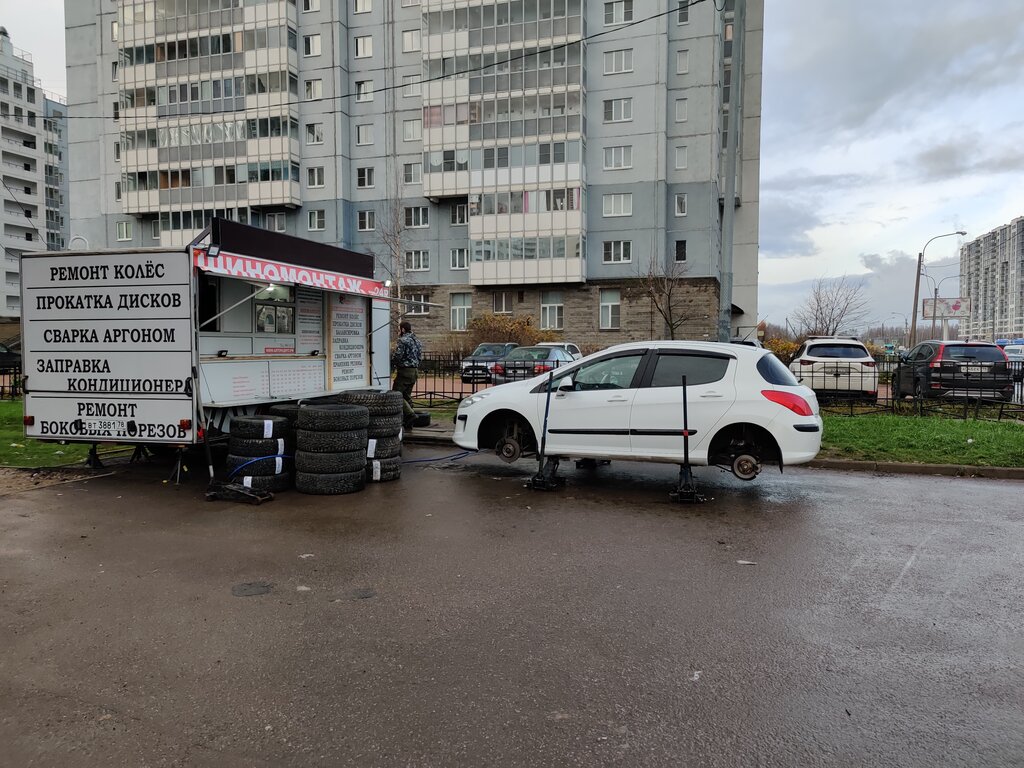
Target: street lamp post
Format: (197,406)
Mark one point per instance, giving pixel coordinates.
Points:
(935,304)
(917,284)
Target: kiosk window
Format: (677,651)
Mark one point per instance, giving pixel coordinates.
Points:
(209,302)
(275,310)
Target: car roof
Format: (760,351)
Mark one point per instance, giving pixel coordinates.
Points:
(554,344)
(704,346)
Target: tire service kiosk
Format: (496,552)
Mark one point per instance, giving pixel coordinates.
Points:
(160,346)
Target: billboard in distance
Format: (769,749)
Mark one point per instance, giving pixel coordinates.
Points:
(951,308)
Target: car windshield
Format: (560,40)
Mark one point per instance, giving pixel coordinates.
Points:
(841,351)
(489,350)
(1014,350)
(528,353)
(979,352)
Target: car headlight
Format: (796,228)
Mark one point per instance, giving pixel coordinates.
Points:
(472,400)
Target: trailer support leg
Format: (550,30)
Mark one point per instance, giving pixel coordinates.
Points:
(141,453)
(179,468)
(93,459)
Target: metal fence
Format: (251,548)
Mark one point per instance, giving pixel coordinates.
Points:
(10,382)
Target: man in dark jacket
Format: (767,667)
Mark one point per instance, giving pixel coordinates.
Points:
(406,362)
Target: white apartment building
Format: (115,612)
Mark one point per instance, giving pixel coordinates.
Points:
(531,157)
(992,277)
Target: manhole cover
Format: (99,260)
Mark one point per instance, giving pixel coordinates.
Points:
(251,588)
(364,593)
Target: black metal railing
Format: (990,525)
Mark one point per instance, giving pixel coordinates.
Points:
(10,382)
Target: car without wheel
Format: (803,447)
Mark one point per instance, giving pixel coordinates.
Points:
(478,366)
(836,367)
(527,362)
(954,369)
(745,409)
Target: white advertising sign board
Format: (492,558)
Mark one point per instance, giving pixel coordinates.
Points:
(349,342)
(951,308)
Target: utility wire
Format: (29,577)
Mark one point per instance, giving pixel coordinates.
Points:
(460,73)
(23,210)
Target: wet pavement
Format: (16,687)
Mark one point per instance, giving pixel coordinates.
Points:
(456,619)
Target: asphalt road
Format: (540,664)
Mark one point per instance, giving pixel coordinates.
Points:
(456,619)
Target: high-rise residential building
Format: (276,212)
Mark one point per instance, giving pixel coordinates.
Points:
(556,158)
(992,277)
(33,171)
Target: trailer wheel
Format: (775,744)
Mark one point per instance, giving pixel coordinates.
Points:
(252,447)
(387,447)
(332,442)
(333,417)
(379,403)
(264,482)
(271,465)
(330,484)
(260,427)
(329,463)
(386,469)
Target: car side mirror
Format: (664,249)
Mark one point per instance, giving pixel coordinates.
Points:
(904,357)
(567,385)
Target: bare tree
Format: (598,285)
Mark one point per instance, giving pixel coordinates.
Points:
(664,288)
(832,305)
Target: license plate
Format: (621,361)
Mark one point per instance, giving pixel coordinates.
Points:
(973,369)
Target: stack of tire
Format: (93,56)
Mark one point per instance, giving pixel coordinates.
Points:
(330,454)
(259,452)
(384,448)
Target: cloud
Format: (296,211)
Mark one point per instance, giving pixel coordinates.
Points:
(964,156)
(802,180)
(786,227)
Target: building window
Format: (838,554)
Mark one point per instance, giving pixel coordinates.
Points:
(113,71)
(620,204)
(364,90)
(310,5)
(682,62)
(618,110)
(276,222)
(551,310)
(117,110)
(364,178)
(412,130)
(460,214)
(311,45)
(366,221)
(680,250)
(618,12)
(418,304)
(364,47)
(409,3)
(681,110)
(113,31)
(412,85)
(412,173)
(314,133)
(124,230)
(417,217)
(364,134)
(417,261)
(618,251)
(363,6)
(616,158)
(501,302)
(610,309)
(459,258)
(117,151)
(681,204)
(616,62)
(315,176)
(680,158)
(314,89)
(317,220)
(461,304)
(684,12)
(117,190)
(154,229)
(410,40)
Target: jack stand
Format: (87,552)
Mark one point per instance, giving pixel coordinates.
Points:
(591,463)
(141,453)
(546,479)
(179,469)
(237,492)
(686,492)
(93,459)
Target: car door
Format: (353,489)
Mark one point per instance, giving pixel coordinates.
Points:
(593,418)
(656,420)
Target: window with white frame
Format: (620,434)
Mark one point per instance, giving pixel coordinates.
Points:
(314,133)
(410,40)
(315,176)
(117,151)
(682,62)
(275,222)
(417,261)
(681,204)
(618,110)
(419,305)
(314,89)
(124,230)
(364,178)
(460,214)
(409,3)
(366,221)
(417,217)
(551,310)
(684,12)
(363,6)
(412,85)
(501,302)
(681,110)
(117,190)
(310,5)
(610,309)
(154,229)
(616,158)
(364,47)
(364,134)
(680,158)
(461,310)
(616,62)
(364,90)
(316,220)
(311,45)
(412,130)
(618,204)
(618,251)
(459,258)
(113,71)
(618,12)
(113,31)
(412,173)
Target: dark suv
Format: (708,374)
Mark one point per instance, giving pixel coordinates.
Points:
(954,369)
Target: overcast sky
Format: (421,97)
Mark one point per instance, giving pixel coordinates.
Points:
(884,124)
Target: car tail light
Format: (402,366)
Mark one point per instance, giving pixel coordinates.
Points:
(937,362)
(806,362)
(541,368)
(498,369)
(795,403)
(868,364)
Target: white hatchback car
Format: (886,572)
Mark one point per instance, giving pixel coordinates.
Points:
(626,402)
(836,367)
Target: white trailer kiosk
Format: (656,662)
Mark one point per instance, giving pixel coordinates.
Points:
(163,346)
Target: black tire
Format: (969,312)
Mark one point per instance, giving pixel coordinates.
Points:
(264,482)
(378,403)
(386,426)
(390,469)
(330,484)
(919,390)
(387,447)
(332,442)
(333,417)
(247,465)
(897,392)
(259,427)
(241,446)
(289,411)
(329,463)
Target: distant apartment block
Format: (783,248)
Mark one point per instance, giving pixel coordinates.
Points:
(992,277)
(490,155)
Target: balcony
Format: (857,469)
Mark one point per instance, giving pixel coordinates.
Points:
(566,270)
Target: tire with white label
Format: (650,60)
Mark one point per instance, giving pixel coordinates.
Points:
(247,465)
(264,482)
(331,442)
(241,446)
(384,470)
(386,448)
(260,427)
(333,417)
(329,463)
(386,426)
(332,484)
(386,403)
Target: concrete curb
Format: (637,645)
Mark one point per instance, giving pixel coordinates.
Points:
(441,437)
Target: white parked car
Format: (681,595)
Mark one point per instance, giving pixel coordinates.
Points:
(568,346)
(626,402)
(836,367)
